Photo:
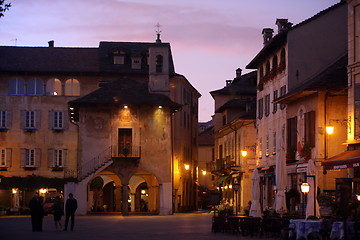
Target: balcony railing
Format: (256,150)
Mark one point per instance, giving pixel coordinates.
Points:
(126,152)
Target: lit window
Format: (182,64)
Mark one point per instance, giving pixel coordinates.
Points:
(72,87)
(53,87)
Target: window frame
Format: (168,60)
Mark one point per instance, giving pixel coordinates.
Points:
(30,158)
(35,87)
(267,105)
(19,89)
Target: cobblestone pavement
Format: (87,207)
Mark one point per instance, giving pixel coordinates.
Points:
(174,227)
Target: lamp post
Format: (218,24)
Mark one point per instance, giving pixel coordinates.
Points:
(314,189)
(305,188)
(235,186)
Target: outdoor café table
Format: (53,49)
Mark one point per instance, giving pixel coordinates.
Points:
(337,230)
(304,227)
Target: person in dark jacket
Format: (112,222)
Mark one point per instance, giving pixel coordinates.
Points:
(70,208)
(36,213)
(58,212)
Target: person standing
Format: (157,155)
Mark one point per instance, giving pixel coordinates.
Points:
(35,212)
(58,212)
(70,208)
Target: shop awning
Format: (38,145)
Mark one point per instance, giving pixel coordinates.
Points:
(347,159)
(221,179)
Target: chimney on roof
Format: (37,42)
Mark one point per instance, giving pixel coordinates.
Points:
(267,35)
(238,72)
(283,25)
(51,43)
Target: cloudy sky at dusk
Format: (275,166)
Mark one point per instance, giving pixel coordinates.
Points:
(209,38)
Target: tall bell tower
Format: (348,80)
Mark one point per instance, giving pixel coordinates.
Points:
(159,61)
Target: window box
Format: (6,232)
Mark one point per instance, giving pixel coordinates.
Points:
(30,130)
(30,168)
(3,168)
(3,129)
(58,130)
(57,169)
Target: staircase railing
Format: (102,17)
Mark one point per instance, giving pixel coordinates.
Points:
(94,164)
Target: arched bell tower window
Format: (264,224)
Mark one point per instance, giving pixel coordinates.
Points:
(159,63)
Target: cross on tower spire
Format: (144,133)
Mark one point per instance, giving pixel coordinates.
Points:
(158,31)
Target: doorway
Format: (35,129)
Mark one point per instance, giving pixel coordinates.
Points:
(124,141)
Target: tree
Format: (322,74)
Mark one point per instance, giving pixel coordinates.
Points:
(4,7)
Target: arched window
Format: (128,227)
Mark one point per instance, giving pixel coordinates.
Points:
(16,86)
(275,62)
(283,59)
(267,69)
(72,87)
(159,63)
(35,87)
(53,87)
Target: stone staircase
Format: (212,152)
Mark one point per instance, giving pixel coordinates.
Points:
(95,165)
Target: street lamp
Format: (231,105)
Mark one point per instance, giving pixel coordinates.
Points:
(329,130)
(305,188)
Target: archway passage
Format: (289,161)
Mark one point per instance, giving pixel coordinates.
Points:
(144,193)
(105,193)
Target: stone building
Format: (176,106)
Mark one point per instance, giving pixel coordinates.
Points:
(115,122)
(301,83)
(235,139)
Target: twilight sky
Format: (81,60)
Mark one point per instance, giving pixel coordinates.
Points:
(209,39)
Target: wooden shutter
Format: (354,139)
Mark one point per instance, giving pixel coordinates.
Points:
(37,119)
(8,116)
(8,157)
(51,158)
(65,158)
(23,119)
(37,157)
(66,120)
(22,157)
(51,119)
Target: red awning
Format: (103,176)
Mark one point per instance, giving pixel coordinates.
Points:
(347,159)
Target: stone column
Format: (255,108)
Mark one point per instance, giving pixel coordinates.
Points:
(118,198)
(124,198)
(132,197)
(166,199)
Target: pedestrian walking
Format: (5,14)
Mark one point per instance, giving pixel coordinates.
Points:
(36,211)
(58,211)
(70,208)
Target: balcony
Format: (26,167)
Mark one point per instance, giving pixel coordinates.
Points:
(126,153)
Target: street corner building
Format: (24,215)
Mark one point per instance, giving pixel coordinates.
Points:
(113,124)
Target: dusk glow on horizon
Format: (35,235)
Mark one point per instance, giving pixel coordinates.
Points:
(209,39)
